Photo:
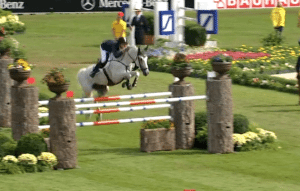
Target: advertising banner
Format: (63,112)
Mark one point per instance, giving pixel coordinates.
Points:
(253,4)
(18,6)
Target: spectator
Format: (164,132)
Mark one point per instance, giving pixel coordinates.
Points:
(141,26)
(278,18)
(119,27)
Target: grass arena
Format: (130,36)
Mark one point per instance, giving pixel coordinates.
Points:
(109,156)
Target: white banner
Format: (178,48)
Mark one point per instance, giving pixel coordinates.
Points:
(254,4)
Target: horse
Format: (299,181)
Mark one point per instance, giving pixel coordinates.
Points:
(114,72)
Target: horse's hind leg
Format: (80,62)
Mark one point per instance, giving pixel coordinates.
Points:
(102,91)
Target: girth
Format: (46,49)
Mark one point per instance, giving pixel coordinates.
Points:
(110,82)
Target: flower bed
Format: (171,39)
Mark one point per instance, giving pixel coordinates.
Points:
(251,66)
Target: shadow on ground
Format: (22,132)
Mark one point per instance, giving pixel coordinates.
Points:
(137,152)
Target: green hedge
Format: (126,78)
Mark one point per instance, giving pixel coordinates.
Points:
(195,35)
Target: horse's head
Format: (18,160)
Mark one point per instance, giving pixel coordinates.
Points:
(142,61)
(138,56)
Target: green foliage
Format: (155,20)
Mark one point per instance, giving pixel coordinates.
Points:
(240,123)
(158,124)
(200,120)
(9,148)
(150,19)
(43,166)
(55,77)
(180,61)
(273,39)
(6,44)
(44,121)
(43,96)
(10,168)
(28,168)
(18,53)
(2,153)
(45,132)
(32,144)
(5,12)
(201,138)
(195,35)
(221,58)
(4,139)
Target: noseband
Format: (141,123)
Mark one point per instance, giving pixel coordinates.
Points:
(137,58)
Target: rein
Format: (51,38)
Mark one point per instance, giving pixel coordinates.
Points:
(137,55)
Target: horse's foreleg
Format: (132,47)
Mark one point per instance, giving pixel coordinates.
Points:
(137,75)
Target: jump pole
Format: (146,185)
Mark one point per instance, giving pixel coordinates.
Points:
(140,102)
(112,98)
(115,110)
(115,121)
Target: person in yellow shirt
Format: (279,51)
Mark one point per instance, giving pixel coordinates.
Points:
(119,27)
(278,18)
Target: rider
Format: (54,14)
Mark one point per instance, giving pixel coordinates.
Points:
(117,47)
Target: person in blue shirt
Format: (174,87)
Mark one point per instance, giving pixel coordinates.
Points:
(116,47)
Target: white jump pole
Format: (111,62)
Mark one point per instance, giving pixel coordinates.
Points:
(140,102)
(111,98)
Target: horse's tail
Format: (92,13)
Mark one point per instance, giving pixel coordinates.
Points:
(82,78)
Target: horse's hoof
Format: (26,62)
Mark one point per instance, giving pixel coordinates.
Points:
(134,84)
(124,84)
(129,86)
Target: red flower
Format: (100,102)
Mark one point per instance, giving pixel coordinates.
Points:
(31,80)
(70,94)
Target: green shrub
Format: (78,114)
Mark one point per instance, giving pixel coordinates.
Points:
(150,19)
(10,168)
(195,35)
(201,138)
(9,148)
(5,139)
(43,96)
(272,39)
(200,120)
(31,144)
(2,153)
(240,123)
(4,12)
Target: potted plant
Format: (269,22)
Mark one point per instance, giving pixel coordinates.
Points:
(221,63)
(157,135)
(20,70)
(56,81)
(149,36)
(180,67)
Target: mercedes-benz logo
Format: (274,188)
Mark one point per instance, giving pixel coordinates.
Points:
(88,4)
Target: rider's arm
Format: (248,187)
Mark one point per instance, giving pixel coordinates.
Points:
(117,53)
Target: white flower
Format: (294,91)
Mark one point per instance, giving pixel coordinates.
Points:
(245,69)
(288,85)
(263,82)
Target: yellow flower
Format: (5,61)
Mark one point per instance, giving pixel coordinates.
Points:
(28,158)
(24,64)
(9,158)
(48,158)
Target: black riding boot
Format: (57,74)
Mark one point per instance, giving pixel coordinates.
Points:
(96,69)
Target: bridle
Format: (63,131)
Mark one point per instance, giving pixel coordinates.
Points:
(137,58)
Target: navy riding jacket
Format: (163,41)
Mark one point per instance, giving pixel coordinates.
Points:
(112,46)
